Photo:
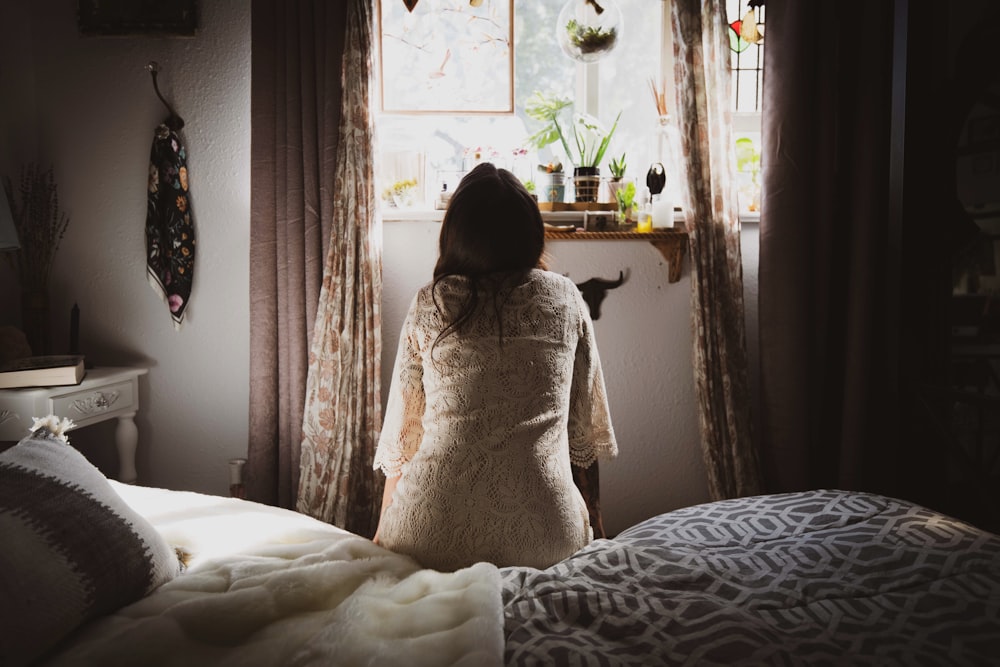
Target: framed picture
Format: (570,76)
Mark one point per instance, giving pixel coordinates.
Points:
(447,56)
(138,17)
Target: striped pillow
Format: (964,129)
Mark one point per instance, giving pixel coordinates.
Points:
(71,548)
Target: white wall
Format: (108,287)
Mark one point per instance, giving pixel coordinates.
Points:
(89,110)
(86,106)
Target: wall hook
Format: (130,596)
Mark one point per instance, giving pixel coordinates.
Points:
(173,121)
(594,291)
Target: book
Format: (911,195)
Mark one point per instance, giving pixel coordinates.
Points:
(44,371)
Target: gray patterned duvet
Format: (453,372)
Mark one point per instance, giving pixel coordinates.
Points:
(814,578)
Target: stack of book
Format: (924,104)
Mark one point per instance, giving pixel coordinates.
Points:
(45,371)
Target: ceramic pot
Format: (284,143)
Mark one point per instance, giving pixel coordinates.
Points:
(555,188)
(586,183)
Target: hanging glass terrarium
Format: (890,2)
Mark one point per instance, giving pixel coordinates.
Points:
(588,30)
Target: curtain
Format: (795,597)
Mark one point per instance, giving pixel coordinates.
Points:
(296,54)
(701,66)
(342,414)
(825,389)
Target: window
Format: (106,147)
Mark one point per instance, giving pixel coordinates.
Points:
(747,66)
(435,149)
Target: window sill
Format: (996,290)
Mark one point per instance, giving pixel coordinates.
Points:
(672,243)
(551,217)
(434,215)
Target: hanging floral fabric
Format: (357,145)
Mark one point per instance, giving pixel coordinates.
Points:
(169,223)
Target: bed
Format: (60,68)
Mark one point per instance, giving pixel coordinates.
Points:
(819,577)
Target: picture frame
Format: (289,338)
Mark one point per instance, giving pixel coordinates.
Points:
(446,56)
(178,18)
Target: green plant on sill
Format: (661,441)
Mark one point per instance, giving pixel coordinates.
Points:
(529,185)
(590,39)
(401,193)
(626,197)
(747,158)
(589,137)
(546,108)
(617,166)
(400,188)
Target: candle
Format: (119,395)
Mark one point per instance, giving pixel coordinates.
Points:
(74,330)
(663,212)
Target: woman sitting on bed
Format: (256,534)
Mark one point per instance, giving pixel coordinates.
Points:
(496,391)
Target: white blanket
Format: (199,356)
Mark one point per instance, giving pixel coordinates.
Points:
(271,587)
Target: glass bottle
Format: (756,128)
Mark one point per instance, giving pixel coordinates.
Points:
(645,219)
(668,144)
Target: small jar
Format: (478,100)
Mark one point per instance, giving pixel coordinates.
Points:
(236,487)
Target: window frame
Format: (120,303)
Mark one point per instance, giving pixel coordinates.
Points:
(588,99)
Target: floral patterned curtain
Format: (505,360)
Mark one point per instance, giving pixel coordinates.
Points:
(343,397)
(701,66)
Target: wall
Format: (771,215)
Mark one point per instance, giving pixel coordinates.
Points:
(86,106)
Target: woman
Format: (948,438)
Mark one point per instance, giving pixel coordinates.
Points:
(497,389)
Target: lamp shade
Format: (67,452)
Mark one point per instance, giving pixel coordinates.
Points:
(8,234)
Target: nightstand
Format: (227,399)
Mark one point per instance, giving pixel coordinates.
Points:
(105,393)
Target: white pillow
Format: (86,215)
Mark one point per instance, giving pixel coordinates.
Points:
(71,548)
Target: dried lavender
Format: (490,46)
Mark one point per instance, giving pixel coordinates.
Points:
(39,223)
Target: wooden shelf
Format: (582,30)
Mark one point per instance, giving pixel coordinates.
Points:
(577,206)
(672,243)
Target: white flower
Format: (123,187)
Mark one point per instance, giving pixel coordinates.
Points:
(55,425)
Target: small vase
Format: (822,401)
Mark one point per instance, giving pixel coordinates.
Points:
(614,185)
(668,142)
(404,199)
(586,183)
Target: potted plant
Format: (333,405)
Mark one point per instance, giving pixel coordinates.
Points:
(589,39)
(589,140)
(401,194)
(625,196)
(748,170)
(588,29)
(529,185)
(617,168)
(555,183)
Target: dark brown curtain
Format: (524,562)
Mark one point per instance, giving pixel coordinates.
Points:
(297,51)
(826,395)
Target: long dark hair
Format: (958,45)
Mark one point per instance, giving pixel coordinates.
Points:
(492,235)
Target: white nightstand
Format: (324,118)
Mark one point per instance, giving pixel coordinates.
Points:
(105,393)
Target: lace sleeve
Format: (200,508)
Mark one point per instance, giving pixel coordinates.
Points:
(402,429)
(590,432)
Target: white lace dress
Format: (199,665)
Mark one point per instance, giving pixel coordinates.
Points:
(483,434)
